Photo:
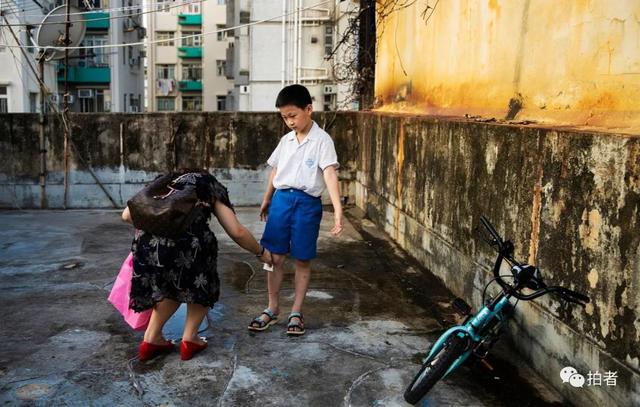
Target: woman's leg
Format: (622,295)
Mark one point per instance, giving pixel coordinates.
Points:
(162,311)
(195,315)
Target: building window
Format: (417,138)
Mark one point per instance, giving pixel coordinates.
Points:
(221,2)
(166,37)
(166,104)
(221,65)
(192,41)
(33,102)
(222,35)
(222,103)
(328,40)
(192,72)
(94,57)
(193,8)
(163,5)
(192,103)
(4,101)
(165,71)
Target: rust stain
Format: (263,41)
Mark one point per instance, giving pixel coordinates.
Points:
(399,180)
(601,101)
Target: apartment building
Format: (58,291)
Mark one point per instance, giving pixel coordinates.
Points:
(297,46)
(19,88)
(107,79)
(186,70)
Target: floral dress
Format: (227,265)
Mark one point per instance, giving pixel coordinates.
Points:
(183,268)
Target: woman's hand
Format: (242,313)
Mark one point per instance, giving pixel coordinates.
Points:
(264,210)
(126,215)
(266,257)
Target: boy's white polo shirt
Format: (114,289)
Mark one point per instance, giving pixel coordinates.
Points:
(300,165)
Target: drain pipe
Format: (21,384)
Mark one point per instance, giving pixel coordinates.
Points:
(284,42)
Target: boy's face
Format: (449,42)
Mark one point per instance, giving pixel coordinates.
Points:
(295,118)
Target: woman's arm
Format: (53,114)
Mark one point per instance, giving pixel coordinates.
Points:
(238,232)
(126,215)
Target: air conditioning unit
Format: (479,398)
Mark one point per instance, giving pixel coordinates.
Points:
(330,89)
(133,61)
(129,24)
(245,89)
(85,93)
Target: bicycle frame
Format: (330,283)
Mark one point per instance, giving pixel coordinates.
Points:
(472,329)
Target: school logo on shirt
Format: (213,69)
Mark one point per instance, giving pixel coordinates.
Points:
(309,163)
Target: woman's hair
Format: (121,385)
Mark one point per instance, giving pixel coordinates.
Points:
(296,95)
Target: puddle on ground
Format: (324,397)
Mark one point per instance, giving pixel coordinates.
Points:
(237,276)
(174,327)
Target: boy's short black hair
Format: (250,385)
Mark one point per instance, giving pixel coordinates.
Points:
(296,95)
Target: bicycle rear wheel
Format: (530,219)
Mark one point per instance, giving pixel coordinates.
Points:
(435,368)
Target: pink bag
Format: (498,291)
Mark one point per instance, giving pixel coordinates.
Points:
(119,297)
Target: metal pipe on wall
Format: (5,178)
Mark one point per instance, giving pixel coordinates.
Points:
(284,42)
(295,40)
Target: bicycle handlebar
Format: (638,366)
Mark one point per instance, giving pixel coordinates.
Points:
(505,251)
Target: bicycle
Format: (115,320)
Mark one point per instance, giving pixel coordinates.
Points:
(479,332)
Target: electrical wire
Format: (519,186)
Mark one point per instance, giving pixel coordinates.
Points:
(199,35)
(164,5)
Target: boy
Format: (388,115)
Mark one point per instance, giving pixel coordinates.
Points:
(303,163)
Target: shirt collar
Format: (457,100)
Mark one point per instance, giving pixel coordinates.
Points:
(312,135)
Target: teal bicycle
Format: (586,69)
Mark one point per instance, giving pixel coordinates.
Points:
(479,332)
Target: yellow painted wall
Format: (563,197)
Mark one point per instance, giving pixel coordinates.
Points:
(573,62)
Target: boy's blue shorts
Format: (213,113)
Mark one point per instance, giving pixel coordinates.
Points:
(293,224)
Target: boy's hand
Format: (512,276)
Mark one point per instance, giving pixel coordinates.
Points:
(264,210)
(338,224)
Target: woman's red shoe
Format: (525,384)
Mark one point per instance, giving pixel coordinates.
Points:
(188,349)
(148,350)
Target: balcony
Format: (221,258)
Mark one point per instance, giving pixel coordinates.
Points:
(190,52)
(97,21)
(190,85)
(81,74)
(190,19)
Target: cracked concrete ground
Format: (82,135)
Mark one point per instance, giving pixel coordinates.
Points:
(371,314)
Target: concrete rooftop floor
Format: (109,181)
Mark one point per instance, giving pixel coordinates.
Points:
(371,314)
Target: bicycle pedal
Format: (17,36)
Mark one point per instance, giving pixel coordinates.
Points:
(461,306)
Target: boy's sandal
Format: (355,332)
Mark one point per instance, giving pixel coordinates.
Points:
(259,324)
(295,327)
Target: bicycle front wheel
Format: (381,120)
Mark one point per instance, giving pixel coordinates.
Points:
(435,368)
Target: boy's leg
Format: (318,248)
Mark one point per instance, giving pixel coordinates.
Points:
(303,275)
(274,282)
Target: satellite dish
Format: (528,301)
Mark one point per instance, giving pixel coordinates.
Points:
(51,32)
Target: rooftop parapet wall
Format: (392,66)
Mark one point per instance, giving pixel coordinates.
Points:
(127,150)
(570,201)
(560,62)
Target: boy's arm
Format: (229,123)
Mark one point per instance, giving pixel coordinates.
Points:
(266,201)
(331,180)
